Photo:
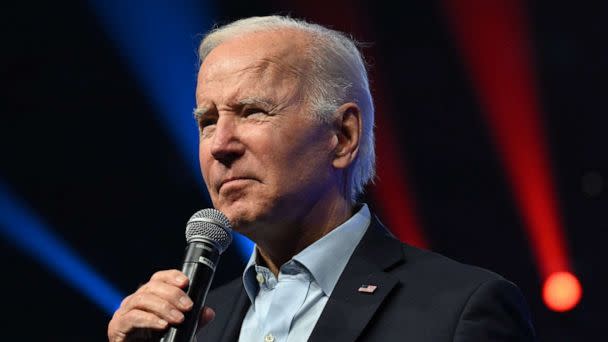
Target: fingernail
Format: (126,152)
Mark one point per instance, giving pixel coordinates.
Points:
(180,279)
(185,301)
(162,323)
(211,314)
(177,315)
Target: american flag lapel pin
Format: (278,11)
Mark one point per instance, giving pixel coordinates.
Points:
(367,289)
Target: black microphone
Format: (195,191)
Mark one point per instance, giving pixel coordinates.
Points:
(208,234)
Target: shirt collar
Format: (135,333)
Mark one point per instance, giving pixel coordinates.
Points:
(325,259)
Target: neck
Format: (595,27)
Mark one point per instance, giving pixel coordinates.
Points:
(324,217)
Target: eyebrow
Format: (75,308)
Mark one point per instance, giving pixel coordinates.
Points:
(255,101)
(201,111)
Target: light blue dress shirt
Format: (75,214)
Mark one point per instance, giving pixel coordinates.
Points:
(286,309)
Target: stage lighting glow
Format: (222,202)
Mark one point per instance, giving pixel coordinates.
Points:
(26,231)
(562,291)
(494,41)
(392,189)
(158,40)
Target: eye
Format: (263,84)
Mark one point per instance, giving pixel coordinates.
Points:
(206,121)
(253,111)
(206,125)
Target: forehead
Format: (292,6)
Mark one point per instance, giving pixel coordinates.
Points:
(255,62)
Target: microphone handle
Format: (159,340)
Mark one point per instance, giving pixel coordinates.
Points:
(199,266)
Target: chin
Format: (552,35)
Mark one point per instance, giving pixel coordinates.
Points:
(242,217)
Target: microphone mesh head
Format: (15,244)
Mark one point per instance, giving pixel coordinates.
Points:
(212,225)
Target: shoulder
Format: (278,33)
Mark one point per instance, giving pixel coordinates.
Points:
(473,303)
(419,267)
(437,298)
(437,276)
(431,266)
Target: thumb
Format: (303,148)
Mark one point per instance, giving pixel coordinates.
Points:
(207,315)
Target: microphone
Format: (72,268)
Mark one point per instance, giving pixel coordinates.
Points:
(208,234)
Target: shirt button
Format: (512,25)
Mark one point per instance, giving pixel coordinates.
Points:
(269,338)
(260,279)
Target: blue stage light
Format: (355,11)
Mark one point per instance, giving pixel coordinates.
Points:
(20,226)
(158,40)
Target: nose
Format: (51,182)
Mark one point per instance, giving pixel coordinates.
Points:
(226,146)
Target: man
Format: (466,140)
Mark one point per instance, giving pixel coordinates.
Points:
(286,146)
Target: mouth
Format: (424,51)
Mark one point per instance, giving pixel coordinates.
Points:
(233,180)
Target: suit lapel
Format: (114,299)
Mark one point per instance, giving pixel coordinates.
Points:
(233,325)
(349,310)
(230,303)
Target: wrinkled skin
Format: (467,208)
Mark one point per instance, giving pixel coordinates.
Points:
(273,169)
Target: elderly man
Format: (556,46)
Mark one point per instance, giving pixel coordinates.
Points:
(286,146)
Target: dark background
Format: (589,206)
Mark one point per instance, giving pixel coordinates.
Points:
(82,146)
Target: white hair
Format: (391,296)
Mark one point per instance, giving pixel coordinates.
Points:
(337,76)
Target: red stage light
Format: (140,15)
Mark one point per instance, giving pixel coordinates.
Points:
(493,37)
(562,291)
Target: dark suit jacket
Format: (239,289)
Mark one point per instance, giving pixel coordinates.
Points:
(420,296)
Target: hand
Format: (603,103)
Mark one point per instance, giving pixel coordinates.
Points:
(147,313)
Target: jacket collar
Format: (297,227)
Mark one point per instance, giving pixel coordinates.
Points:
(325,259)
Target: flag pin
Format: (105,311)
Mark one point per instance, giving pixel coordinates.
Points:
(368,289)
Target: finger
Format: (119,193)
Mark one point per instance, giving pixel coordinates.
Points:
(120,327)
(207,315)
(125,302)
(142,319)
(173,277)
(156,305)
(170,293)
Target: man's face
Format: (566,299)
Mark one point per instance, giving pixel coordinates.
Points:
(265,160)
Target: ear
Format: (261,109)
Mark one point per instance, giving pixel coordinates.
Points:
(348,127)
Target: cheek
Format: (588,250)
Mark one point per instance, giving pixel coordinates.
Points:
(301,166)
(204,163)
(310,150)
